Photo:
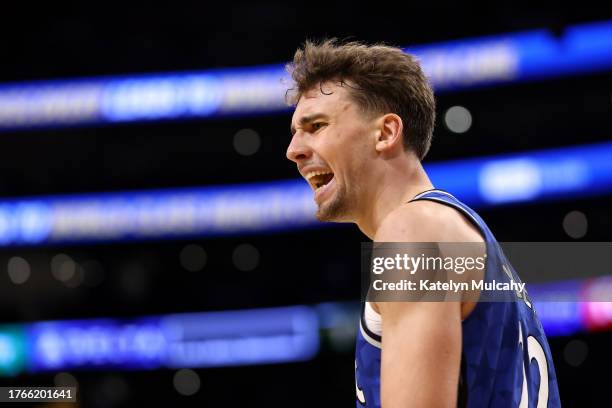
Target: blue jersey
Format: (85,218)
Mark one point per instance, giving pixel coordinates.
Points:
(506,360)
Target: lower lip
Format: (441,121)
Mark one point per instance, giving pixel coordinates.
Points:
(324,191)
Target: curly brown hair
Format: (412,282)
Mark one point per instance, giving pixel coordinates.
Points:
(380,79)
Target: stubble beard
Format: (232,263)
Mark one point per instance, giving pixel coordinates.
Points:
(337,209)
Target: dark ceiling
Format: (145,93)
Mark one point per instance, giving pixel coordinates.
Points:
(42,40)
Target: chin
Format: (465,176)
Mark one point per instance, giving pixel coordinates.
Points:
(335,211)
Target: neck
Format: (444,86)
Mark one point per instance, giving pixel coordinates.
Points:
(397,183)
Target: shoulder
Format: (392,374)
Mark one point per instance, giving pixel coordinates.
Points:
(427,221)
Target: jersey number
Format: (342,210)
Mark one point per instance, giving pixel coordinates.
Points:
(535,352)
(359,391)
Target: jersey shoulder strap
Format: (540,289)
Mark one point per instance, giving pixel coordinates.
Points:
(450,200)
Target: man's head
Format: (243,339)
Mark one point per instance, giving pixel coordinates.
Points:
(355,104)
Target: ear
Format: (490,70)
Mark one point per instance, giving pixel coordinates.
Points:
(390,133)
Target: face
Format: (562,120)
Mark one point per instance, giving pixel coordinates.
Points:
(331,145)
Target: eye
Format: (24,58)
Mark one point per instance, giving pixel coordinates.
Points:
(317,125)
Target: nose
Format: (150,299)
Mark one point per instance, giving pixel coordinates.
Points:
(297,150)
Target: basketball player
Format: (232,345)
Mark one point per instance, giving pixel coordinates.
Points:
(363,122)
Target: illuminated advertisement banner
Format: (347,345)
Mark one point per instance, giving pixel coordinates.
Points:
(579,171)
(459,64)
(260,336)
(244,337)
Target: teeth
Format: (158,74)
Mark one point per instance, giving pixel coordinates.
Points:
(311,174)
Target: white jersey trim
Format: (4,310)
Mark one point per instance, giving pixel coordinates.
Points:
(373,319)
(373,322)
(368,338)
(416,197)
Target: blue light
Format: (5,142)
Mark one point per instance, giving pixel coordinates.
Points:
(241,337)
(34,218)
(554,173)
(160,98)
(288,205)
(95,343)
(244,337)
(260,336)
(558,306)
(13,351)
(531,176)
(454,65)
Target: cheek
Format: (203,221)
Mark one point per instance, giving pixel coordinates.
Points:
(349,142)
(346,150)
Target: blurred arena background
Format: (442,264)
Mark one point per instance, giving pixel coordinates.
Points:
(158,249)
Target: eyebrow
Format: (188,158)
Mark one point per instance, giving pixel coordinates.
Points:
(304,120)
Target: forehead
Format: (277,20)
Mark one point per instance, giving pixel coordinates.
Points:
(334,100)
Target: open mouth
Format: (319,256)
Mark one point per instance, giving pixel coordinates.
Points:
(319,179)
